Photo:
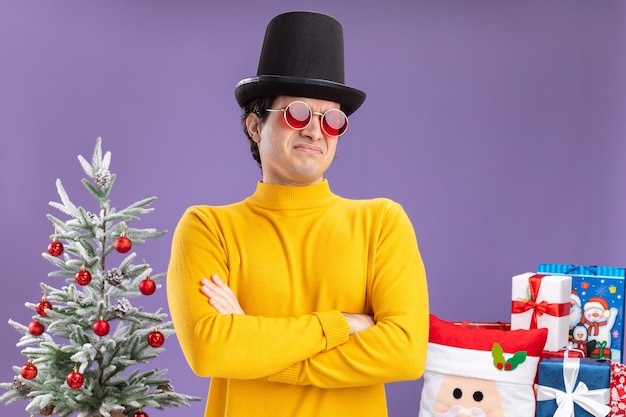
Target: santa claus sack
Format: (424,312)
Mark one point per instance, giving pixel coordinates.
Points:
(480,372)
(596,319)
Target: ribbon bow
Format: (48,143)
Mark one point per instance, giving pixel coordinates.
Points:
(541,308)
(593,401)
(575,346)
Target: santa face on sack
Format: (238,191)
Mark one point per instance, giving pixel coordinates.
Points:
(477,372)
(467,397)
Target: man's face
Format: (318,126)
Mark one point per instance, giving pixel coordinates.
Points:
(293,157)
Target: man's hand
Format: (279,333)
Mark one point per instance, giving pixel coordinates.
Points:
(221,297)
(359,322)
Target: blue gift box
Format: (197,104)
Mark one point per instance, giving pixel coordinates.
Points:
(553,373)
(599,291)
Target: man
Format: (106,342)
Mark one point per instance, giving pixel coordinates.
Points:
(295,301)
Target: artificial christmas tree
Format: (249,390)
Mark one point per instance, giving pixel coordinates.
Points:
(87,345)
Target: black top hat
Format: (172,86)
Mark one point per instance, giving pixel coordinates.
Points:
(302,56)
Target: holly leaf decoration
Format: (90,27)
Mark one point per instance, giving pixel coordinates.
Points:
(498,356)
(515,360)
(503,364)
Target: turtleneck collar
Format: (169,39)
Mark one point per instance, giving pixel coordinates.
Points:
(287,197)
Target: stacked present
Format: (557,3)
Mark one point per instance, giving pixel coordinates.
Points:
(573,387)
(580,371)
(597,308)
(561,351)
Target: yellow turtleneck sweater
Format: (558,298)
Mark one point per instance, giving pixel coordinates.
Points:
(296,258)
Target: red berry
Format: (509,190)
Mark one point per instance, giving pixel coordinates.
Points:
(101,327)
(122,244)
(29,371)
(35,328)
(147,286)
(508,367)
(83,277)
(140,413)
(55,248)
(75,379)
(42,306)
(156,339)
(500,365)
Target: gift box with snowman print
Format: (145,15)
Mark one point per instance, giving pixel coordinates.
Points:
(596,320)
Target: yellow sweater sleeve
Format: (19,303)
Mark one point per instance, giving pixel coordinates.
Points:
(234,346)
(395,348)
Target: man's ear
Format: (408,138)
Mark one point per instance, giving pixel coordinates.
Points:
(253,124)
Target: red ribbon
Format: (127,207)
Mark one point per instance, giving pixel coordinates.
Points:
(539,309)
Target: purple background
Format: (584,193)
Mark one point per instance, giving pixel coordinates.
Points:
(499,125)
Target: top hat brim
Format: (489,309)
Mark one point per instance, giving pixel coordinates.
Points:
(248,89)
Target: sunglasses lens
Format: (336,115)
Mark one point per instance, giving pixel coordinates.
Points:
(298,115)
(334,122)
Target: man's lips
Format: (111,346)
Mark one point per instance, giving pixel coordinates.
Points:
(303,147)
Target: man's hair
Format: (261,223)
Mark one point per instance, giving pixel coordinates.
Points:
(259,107)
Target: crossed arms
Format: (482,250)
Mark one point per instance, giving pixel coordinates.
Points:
(223,299)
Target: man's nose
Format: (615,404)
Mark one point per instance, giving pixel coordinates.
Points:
(314,129)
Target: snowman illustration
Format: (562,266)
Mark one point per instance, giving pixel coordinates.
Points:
(599,319)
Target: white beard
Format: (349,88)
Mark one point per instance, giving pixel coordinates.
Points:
(454,410)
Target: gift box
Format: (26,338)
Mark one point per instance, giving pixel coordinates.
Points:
(542,301)
(597,313)
(600,351)
(573,387)
(618,390)
(570,351)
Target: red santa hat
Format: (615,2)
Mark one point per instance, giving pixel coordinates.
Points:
(600,303)
(510,358)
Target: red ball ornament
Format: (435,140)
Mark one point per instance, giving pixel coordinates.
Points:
(101,327)
(75,379)
(140,413)
(55,248)
(156,339)
(147,286)
(35,328)
(83,277)
(42,306)
(122,244)
(29,371)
